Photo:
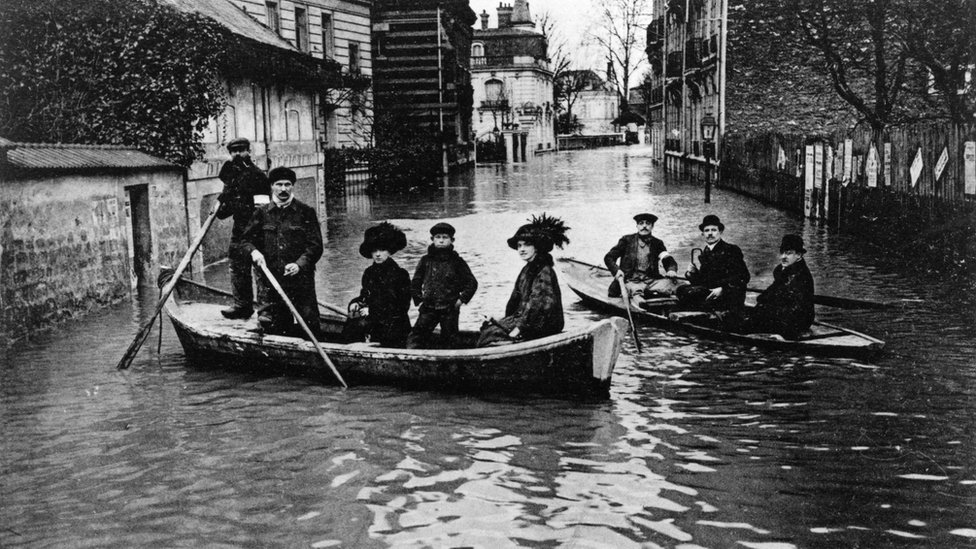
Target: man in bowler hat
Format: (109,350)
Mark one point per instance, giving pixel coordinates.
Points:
(786,307)
(244,186)
(719,285)
(285,236)
(639,254)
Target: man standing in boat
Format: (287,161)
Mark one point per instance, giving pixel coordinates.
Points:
(719,285)
(244,186)
(786,307)
(285,236)
(639,254)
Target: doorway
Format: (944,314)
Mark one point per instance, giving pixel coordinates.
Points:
(141,251)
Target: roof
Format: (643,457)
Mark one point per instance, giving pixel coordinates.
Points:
(40,156)
(234,19)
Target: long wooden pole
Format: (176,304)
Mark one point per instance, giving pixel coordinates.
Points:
(625,295)
(301,322)
(140,338)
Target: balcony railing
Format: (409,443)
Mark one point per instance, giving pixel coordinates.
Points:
(508,61)
(495,105)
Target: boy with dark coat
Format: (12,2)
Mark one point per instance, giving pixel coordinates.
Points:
(285,236)
(786,307)
(720,283)
(244,186)
(441,284)
(385,291)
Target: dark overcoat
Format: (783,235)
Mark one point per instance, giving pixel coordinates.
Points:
(721,267)
(535,306)
(386,291)
(441,278)
(786,307)
(242,181)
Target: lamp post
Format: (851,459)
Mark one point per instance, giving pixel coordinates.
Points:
(708,126)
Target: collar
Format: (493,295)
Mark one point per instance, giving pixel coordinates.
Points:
(282,205)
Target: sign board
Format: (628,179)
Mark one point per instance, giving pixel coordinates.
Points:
(828,175)
(781,158)
(818,161)
(808,183)
(887,164)
(848,160)
(941,164)
(969,161)
(871,169)
(916,169)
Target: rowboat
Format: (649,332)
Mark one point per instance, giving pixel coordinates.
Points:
(590,283)
(575,362)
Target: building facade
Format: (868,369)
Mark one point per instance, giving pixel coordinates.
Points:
(593,102)
(512,81)
(421,73)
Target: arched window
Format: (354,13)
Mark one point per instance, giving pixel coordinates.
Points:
(292,122)
(494,90)
(477,50)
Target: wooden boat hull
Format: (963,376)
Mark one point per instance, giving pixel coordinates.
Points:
(574,362)
(590,283)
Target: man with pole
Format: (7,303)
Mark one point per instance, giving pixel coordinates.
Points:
(284,238)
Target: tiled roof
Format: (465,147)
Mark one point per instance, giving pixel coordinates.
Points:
(234,19)
(67,156)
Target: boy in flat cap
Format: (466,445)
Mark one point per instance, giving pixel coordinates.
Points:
(441,284)
(244,186)
(385,292)
(639,254)
(719,285)
(285,236)
(786,307)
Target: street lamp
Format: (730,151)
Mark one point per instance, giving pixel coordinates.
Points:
(708,126)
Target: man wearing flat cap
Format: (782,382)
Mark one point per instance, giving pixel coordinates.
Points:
(719,285)
(285,236)
(786,307)
(244,186)
(639,254)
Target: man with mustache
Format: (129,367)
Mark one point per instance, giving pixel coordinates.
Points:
(719,285)
(639,254)
(786,307)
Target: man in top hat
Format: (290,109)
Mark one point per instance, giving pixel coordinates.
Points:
(639,254)
(244,186)
(720,283)
(285,236)
(786,307)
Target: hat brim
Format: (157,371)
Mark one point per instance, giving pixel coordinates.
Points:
(720,226)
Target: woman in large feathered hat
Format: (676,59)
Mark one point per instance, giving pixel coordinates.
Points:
(385,293)
(535,308)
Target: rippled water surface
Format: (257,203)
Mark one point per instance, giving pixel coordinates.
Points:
(701,444)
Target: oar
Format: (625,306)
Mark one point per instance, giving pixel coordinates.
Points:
(301,322)
(140,338)
(334,308)
(841,302)
(625,295)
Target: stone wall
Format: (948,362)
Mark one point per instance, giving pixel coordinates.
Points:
(66,242)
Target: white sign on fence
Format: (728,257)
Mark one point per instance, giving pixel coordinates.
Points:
(808,183)
(969,162)
(781,158)
(887,164)
(871,169)
(941,164)
(828,175)
(916,169)
(848,160)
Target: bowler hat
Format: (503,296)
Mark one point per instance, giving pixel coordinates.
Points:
(792,242)
(645,217)
(384,236)
(711,219)
(280,173)
(238,143)
(442,228)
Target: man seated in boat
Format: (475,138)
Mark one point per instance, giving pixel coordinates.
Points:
(639,254)
(285,236)
(786,307)
(719,285)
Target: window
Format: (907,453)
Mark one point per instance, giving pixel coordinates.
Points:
(353,58)
(494,91)
(477,50)
(328,36)
(271,11)
(301,29)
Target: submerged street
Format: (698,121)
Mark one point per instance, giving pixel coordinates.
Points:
(701,443)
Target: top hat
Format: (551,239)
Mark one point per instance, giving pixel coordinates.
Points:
(645,217)
(711,219)
(384,236)
(792,242)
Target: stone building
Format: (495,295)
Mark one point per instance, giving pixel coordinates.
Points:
(512,82)
(82,226)
(595,103)
(421,71)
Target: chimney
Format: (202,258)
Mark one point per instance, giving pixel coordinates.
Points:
(484,20)
(504,16)
(521,18)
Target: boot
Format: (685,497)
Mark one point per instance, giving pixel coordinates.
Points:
(237,312)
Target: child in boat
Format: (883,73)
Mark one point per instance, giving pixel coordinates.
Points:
(441,284)
(535,307)
(385,292)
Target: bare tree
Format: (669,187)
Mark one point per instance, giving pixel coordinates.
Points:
(619,33)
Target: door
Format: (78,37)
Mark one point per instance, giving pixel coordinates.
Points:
(141,252)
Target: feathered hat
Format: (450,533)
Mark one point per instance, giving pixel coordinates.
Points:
(384,236)
(543,232)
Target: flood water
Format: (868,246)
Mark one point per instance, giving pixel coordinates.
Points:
(701,444)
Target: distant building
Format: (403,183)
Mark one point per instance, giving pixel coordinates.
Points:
(512,83)
(594,103)
(421,71)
